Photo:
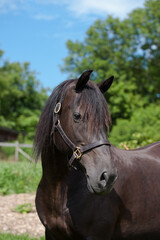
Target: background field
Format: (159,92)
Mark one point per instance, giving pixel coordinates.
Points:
(20,177)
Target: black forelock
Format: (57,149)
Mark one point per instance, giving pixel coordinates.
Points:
(94,106)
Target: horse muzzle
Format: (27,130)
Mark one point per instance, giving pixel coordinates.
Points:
(104,184)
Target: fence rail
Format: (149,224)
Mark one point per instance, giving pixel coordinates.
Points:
(18,149)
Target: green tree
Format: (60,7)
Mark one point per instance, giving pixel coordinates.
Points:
(22,97)
(143,128)
(129,49)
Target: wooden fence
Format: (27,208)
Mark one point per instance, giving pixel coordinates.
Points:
(18,149)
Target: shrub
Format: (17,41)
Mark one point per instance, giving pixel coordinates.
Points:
(143,128)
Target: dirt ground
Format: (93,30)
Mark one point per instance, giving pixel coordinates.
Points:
(18,223)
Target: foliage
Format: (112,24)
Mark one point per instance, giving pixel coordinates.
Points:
(129,49)
(23,208)
(22,97)
(143,128)
(20,177)
(4,236)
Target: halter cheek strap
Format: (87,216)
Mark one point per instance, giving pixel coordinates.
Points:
(77,151)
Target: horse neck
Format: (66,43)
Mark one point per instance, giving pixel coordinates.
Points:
(54,165)
(124,160)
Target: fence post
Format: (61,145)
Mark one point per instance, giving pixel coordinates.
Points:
(16,151)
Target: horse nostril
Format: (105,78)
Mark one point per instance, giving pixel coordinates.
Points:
(104,179)
(107,180)
(103,176)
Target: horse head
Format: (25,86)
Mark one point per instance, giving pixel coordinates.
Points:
(81,117)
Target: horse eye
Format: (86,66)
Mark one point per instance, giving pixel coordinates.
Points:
(77,116)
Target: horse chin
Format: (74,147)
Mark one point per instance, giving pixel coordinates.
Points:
(99,191)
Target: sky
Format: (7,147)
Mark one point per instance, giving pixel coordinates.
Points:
(36,31)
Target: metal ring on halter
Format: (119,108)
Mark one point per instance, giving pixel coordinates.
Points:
(57,107)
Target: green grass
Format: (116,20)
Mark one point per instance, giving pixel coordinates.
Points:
(23,208)
(17,237)
(20,177)
(9,153)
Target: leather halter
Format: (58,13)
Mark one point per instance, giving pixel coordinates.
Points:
(77,151)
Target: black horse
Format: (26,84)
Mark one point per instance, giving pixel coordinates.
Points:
(78,197)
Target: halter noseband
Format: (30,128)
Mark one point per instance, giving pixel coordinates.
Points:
(77,151)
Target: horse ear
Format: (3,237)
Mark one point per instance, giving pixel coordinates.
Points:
(82,80)
(105,85)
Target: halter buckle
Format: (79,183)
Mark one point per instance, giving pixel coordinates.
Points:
(77,153)
(57,108)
